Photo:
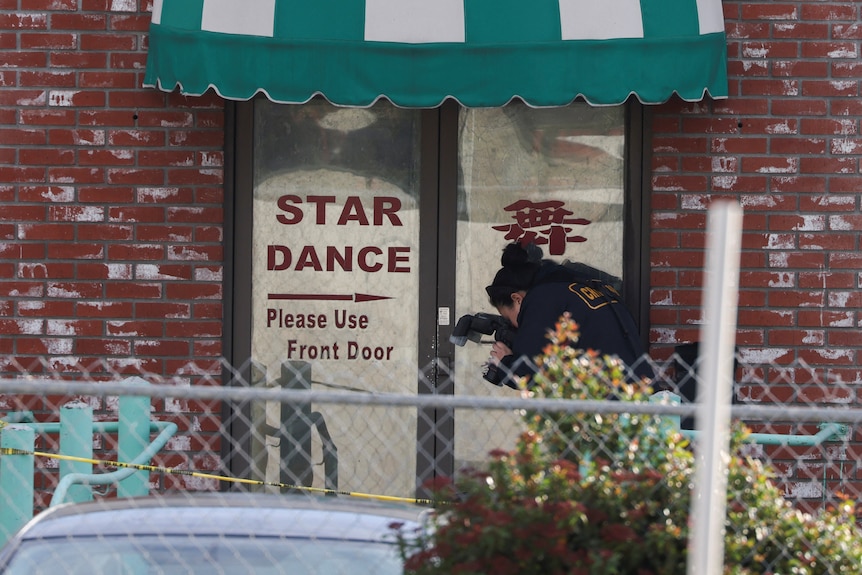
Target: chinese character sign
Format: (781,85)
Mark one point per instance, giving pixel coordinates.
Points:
(545,223)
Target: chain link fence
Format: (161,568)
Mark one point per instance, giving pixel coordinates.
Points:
(287,431)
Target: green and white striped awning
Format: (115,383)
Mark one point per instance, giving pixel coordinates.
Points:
(417,53)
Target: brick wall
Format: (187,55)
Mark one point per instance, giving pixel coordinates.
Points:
(111,197)
(786,145)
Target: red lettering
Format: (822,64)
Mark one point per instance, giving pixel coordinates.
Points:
(387,206)
(363,259)
(272,253)
(308,258)
(395,258)
(353,212)
(320,202)
(294,213)
(345,260)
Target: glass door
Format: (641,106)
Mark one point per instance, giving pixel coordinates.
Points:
(335,278)
(362,235)
(552,176)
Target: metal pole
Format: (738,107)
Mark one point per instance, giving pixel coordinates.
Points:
(16,480)
(76,440)
(133,437)
(717,336)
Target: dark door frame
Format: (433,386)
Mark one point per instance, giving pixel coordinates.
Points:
(438,216)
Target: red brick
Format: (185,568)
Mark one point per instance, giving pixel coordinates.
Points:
(57,232)
(834,88)
(826,318)
(22,137)
(800,69)
(136,328)
(136,214)
(23,21)
(195,253)
(104,118)
(105,232)
(77,98)
(44,117)
(205,310)
(739,145)
(113,79)
(112,194)
(190,291)
(677,144)
(795,337)
(74,290)
(796,146)
(76,137)
(22,289)
(828,165)
(49,79)
(79,21)
(846,31)
(43,156)
(166,158)
(19,213)
(824,280)
(201,139)
(172,310)
(846,70)
(136,138)
(770,165)
(46,308)
(109,157)
(852,261)
(162,347)
(163,272)
(116,271)
(195,329)
(796,107)
(769,11)
(79,60)
(828,11)
(770,87)
(802,31)
(146,233)
(42,41)
(805,184)
(136,252)
(179,177)
(133,290)
(194,214)
(845,184)
(115,309)
(796,259)
(751,299)
(765,317)
(78,250)
(136,176)
(76,175)
(747,30)
(103,347)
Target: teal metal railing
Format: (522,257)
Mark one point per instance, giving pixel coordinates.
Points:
(828,431)
(18,433)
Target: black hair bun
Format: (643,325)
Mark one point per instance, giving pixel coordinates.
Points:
(516,255)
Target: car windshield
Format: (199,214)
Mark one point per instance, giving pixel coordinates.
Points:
(207,555)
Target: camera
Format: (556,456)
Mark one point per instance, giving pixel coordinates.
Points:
(473,326)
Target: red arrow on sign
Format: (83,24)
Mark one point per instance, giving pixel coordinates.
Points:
(357,297)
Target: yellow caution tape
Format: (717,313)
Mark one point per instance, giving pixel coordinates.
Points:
(172,471)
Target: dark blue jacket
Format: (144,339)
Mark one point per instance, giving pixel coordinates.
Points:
(604,322)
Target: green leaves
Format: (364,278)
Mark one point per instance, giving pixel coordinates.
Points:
(610,494)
